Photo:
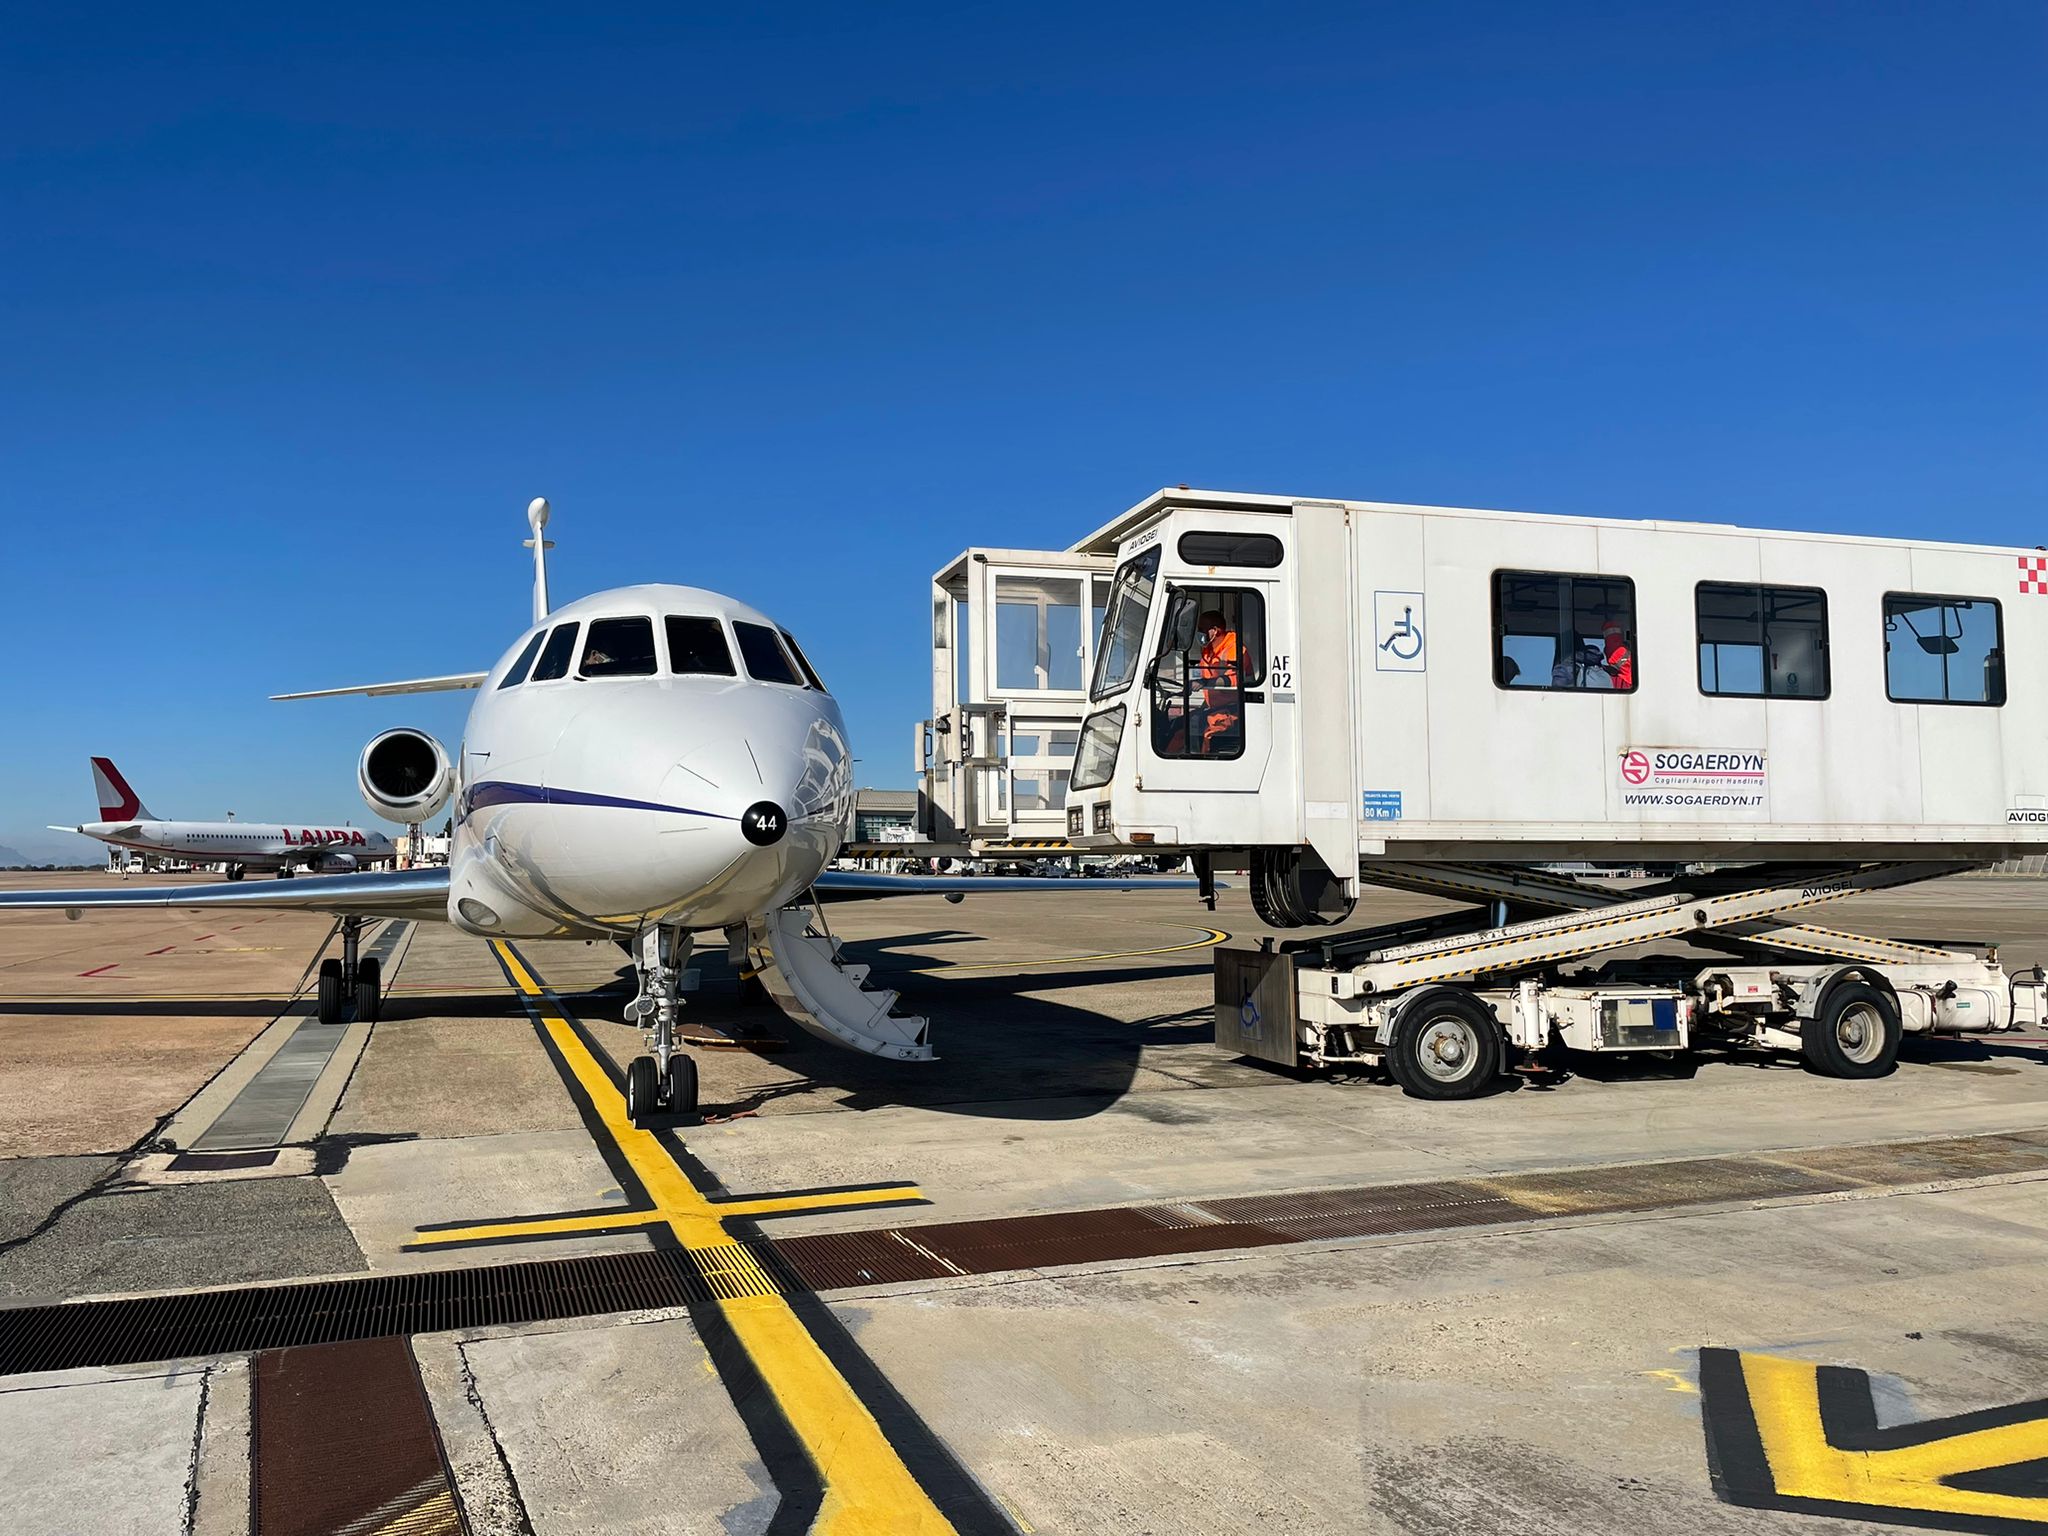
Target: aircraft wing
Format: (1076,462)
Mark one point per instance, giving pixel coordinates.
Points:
(421,894)
(859,884)
(454,682)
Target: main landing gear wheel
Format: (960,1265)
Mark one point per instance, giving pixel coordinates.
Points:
(1855,1034)
(641,1097)
(1445,1046)
(352,977)
(235,871)
(330,992)
(369,990)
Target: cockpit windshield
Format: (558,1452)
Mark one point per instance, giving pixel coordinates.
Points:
(1123,624)
(763,655)
(516,673)
(619,648)
(554,657)
(696,646)
(803,662)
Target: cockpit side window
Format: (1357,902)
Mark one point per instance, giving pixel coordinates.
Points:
(696,646)
(554,657)
(764,656)
(516,673)
(619,648)
(803,662)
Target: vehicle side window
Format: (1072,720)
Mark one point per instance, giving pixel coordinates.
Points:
(1259,550)
(803,662)
(554,656)
(1943,650)
(1762,642)
(619,648)
(1212,647)
(1563,632)
(516,673)
(763,654)
(696,646)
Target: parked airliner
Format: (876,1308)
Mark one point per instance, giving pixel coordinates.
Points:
(125,822)
(645,764)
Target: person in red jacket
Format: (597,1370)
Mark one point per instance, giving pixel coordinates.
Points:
(1620,660)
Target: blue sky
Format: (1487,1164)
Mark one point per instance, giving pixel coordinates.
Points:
(797,302)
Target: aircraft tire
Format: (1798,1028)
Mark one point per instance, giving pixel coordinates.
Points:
(369,990)
(330,992)
(640,1090)
(682,1084)
(235,871)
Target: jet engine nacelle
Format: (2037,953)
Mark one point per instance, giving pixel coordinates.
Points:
(405,776)
(333,864)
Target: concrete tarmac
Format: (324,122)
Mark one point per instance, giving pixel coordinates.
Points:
(1517,1377)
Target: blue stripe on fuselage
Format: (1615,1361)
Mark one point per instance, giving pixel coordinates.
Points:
(500,792)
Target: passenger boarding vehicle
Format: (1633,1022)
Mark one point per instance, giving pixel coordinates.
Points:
(1335,694)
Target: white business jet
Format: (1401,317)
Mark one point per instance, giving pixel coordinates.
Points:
(125,822)
(647,764)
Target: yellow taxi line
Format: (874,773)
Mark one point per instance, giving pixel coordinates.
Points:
(868,1489)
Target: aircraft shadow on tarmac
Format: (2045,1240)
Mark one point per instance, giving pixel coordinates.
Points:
(1005,1051)
(395,1006)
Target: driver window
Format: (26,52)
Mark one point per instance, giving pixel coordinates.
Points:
(1212,647)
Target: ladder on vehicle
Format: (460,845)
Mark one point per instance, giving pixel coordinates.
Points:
(1736,908)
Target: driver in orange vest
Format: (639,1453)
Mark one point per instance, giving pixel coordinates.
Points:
(1220,676)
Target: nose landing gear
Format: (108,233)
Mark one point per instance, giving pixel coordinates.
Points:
(665,1081)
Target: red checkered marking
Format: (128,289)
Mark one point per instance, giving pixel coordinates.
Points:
(2034,575)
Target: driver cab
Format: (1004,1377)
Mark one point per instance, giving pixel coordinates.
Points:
(1193,692)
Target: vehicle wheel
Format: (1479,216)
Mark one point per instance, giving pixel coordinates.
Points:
(284,872)
(1855,1034)
(330,991)
(640,1090)
(1262,901)
(1446,1045)
(234,871)
(369,990)
(682,1084)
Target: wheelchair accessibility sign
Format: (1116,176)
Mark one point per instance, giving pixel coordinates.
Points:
(1401,641)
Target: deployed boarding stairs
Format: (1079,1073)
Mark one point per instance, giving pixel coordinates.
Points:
(833,1000)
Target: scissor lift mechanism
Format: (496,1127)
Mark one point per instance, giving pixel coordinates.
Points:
(1447,1003)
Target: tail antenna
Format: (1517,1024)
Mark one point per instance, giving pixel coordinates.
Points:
(537,520)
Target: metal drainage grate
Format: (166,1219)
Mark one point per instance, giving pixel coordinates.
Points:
(344,1441)
(250,1319)
(67,1335)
